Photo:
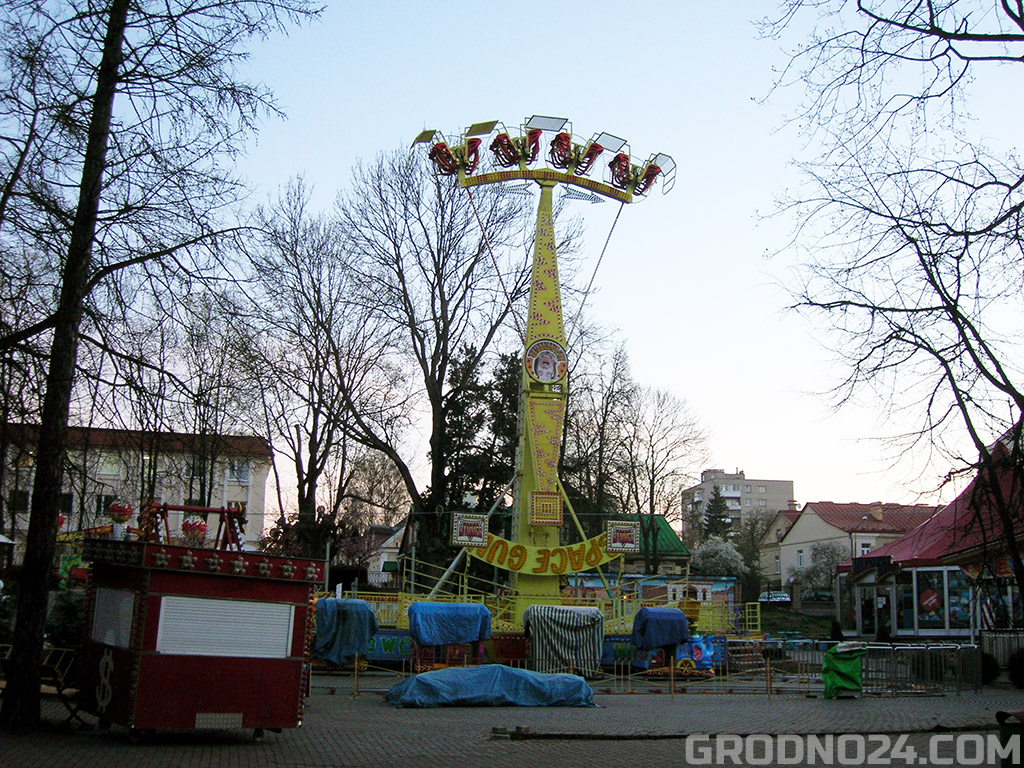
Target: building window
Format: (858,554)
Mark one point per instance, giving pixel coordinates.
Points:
(799,558)
(110,464)
(103,502)
(778,565)
(746,489)
(64,504)
(762,503)
(865,547)
(746,502)
(157,462)
(238,470)
(762,489)
(196,467)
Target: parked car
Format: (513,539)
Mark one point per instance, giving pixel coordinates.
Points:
(773,597)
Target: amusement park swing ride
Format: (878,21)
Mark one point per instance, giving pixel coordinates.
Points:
(544,151)
(160,610)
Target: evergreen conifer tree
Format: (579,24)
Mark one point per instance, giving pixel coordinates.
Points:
(716,516)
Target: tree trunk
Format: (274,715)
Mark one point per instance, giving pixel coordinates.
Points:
(21,701)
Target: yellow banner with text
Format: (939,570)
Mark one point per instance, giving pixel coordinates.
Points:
(552,561)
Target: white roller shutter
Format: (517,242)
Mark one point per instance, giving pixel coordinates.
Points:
(201,626)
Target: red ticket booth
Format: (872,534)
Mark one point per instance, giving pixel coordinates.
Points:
(185,637)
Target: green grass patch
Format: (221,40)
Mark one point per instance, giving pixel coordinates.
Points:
(776,619)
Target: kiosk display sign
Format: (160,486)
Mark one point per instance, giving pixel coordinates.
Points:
(623,537)
(469,530)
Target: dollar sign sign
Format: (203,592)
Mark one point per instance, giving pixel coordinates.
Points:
(105,691)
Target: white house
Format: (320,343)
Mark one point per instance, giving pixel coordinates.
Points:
(132,466)
(857,528)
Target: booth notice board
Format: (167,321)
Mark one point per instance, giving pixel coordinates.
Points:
(180,637)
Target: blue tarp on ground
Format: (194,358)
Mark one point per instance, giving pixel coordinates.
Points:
(343,629)
(491,685)
(658,627)
(449,623)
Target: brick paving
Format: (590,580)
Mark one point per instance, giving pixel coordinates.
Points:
(346,731)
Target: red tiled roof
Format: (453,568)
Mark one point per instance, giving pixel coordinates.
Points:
(132,439)
(979,526)
(963,525)
(923,545)
(876,517)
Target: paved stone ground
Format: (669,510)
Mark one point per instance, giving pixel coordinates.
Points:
(346,731)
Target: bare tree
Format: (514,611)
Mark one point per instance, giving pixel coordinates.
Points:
(747,538)
(209,392)
(368,493)
(442,272)
(21,371)
(663,444)
(914,226)
(825,559)
(599,408)
(147,191)
(376,494)
(320,361)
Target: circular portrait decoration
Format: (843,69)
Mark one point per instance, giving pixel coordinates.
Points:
(545,361)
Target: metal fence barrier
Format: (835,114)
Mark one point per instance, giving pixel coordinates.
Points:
(1002,644)
(929,670)
(741,665)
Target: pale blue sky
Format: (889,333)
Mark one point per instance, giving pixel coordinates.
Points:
(685,276)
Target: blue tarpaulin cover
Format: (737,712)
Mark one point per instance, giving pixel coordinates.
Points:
(491,685)
(658,627)
(448,623)
(343,629)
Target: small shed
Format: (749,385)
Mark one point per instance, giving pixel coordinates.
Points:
(564,638)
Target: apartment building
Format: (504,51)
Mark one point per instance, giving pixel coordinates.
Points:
(744,496)
(132,466)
